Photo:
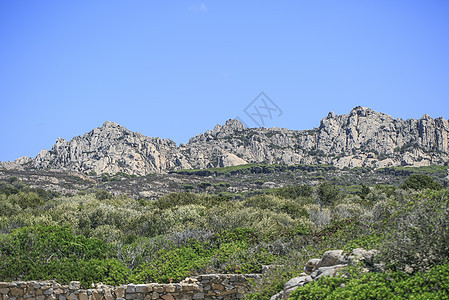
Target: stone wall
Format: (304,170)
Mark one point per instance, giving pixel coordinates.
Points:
(209,286)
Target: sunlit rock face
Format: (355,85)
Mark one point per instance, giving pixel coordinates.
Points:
(362,138)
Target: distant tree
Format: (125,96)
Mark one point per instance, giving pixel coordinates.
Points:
(204,185)
(259,182)
(104,177)
(364,191)
(327,193)
(102,195)
(293,192)
(421,182)
(188,187)
(26,199)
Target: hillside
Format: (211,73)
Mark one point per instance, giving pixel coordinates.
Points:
(84,215)
(362,138)
(93,236)
(235,182)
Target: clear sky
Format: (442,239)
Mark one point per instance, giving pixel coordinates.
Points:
(174,69)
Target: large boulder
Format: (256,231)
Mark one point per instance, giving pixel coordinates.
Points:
(311,265)
(330,264)
(327,271)
(292,285)
(366,256)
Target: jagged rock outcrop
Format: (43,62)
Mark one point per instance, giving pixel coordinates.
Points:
(109,149)
(361,138)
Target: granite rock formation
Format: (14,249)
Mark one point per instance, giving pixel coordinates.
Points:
(330,265)
(362,138)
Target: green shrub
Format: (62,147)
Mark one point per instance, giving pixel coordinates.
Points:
(327,193)
(176,263)
(364,191)
(188,187)
(107,233)
(204,185)
(8,208)
(108,271)
(176,199)
(421,182)
(293,192)
(373,197)
(54,252)
(368,241)
(259,182)
(26,199)
(394,285)
(102,195)
(182,234)
(420,234)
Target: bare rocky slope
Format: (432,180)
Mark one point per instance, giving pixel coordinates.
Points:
(361,138)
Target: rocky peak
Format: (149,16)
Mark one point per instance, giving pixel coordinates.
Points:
(234,124)
(109,127)
(426,117)
(231,126)
(109,124)
(360,110)
(110,131)
(61,141)
(363,137)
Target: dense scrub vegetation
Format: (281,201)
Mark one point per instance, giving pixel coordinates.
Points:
(93,237)
(254,168)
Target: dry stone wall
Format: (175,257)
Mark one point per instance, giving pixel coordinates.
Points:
(209,286)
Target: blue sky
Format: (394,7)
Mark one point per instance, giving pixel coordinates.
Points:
(174,69)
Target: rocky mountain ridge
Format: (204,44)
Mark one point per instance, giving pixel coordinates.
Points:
(363,137)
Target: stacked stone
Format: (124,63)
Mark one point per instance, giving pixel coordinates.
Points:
(224,286)
(208,287)
(51,290)
(154,291)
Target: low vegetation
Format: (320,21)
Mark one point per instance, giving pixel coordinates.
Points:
(433,284)
(97,237)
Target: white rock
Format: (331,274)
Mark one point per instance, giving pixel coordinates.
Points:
(332,258)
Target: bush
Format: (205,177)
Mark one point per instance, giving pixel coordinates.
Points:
(204,185)
(365,190)
(107,233)
(183,234)
(395,285)
(293,192)
(420,236)
(188,187)
(259,182)
(327,194)
(108,271)
(54,252)
(26,199)
(375,196)
(176,199)
(421,182)
(176,263)
(102,195)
